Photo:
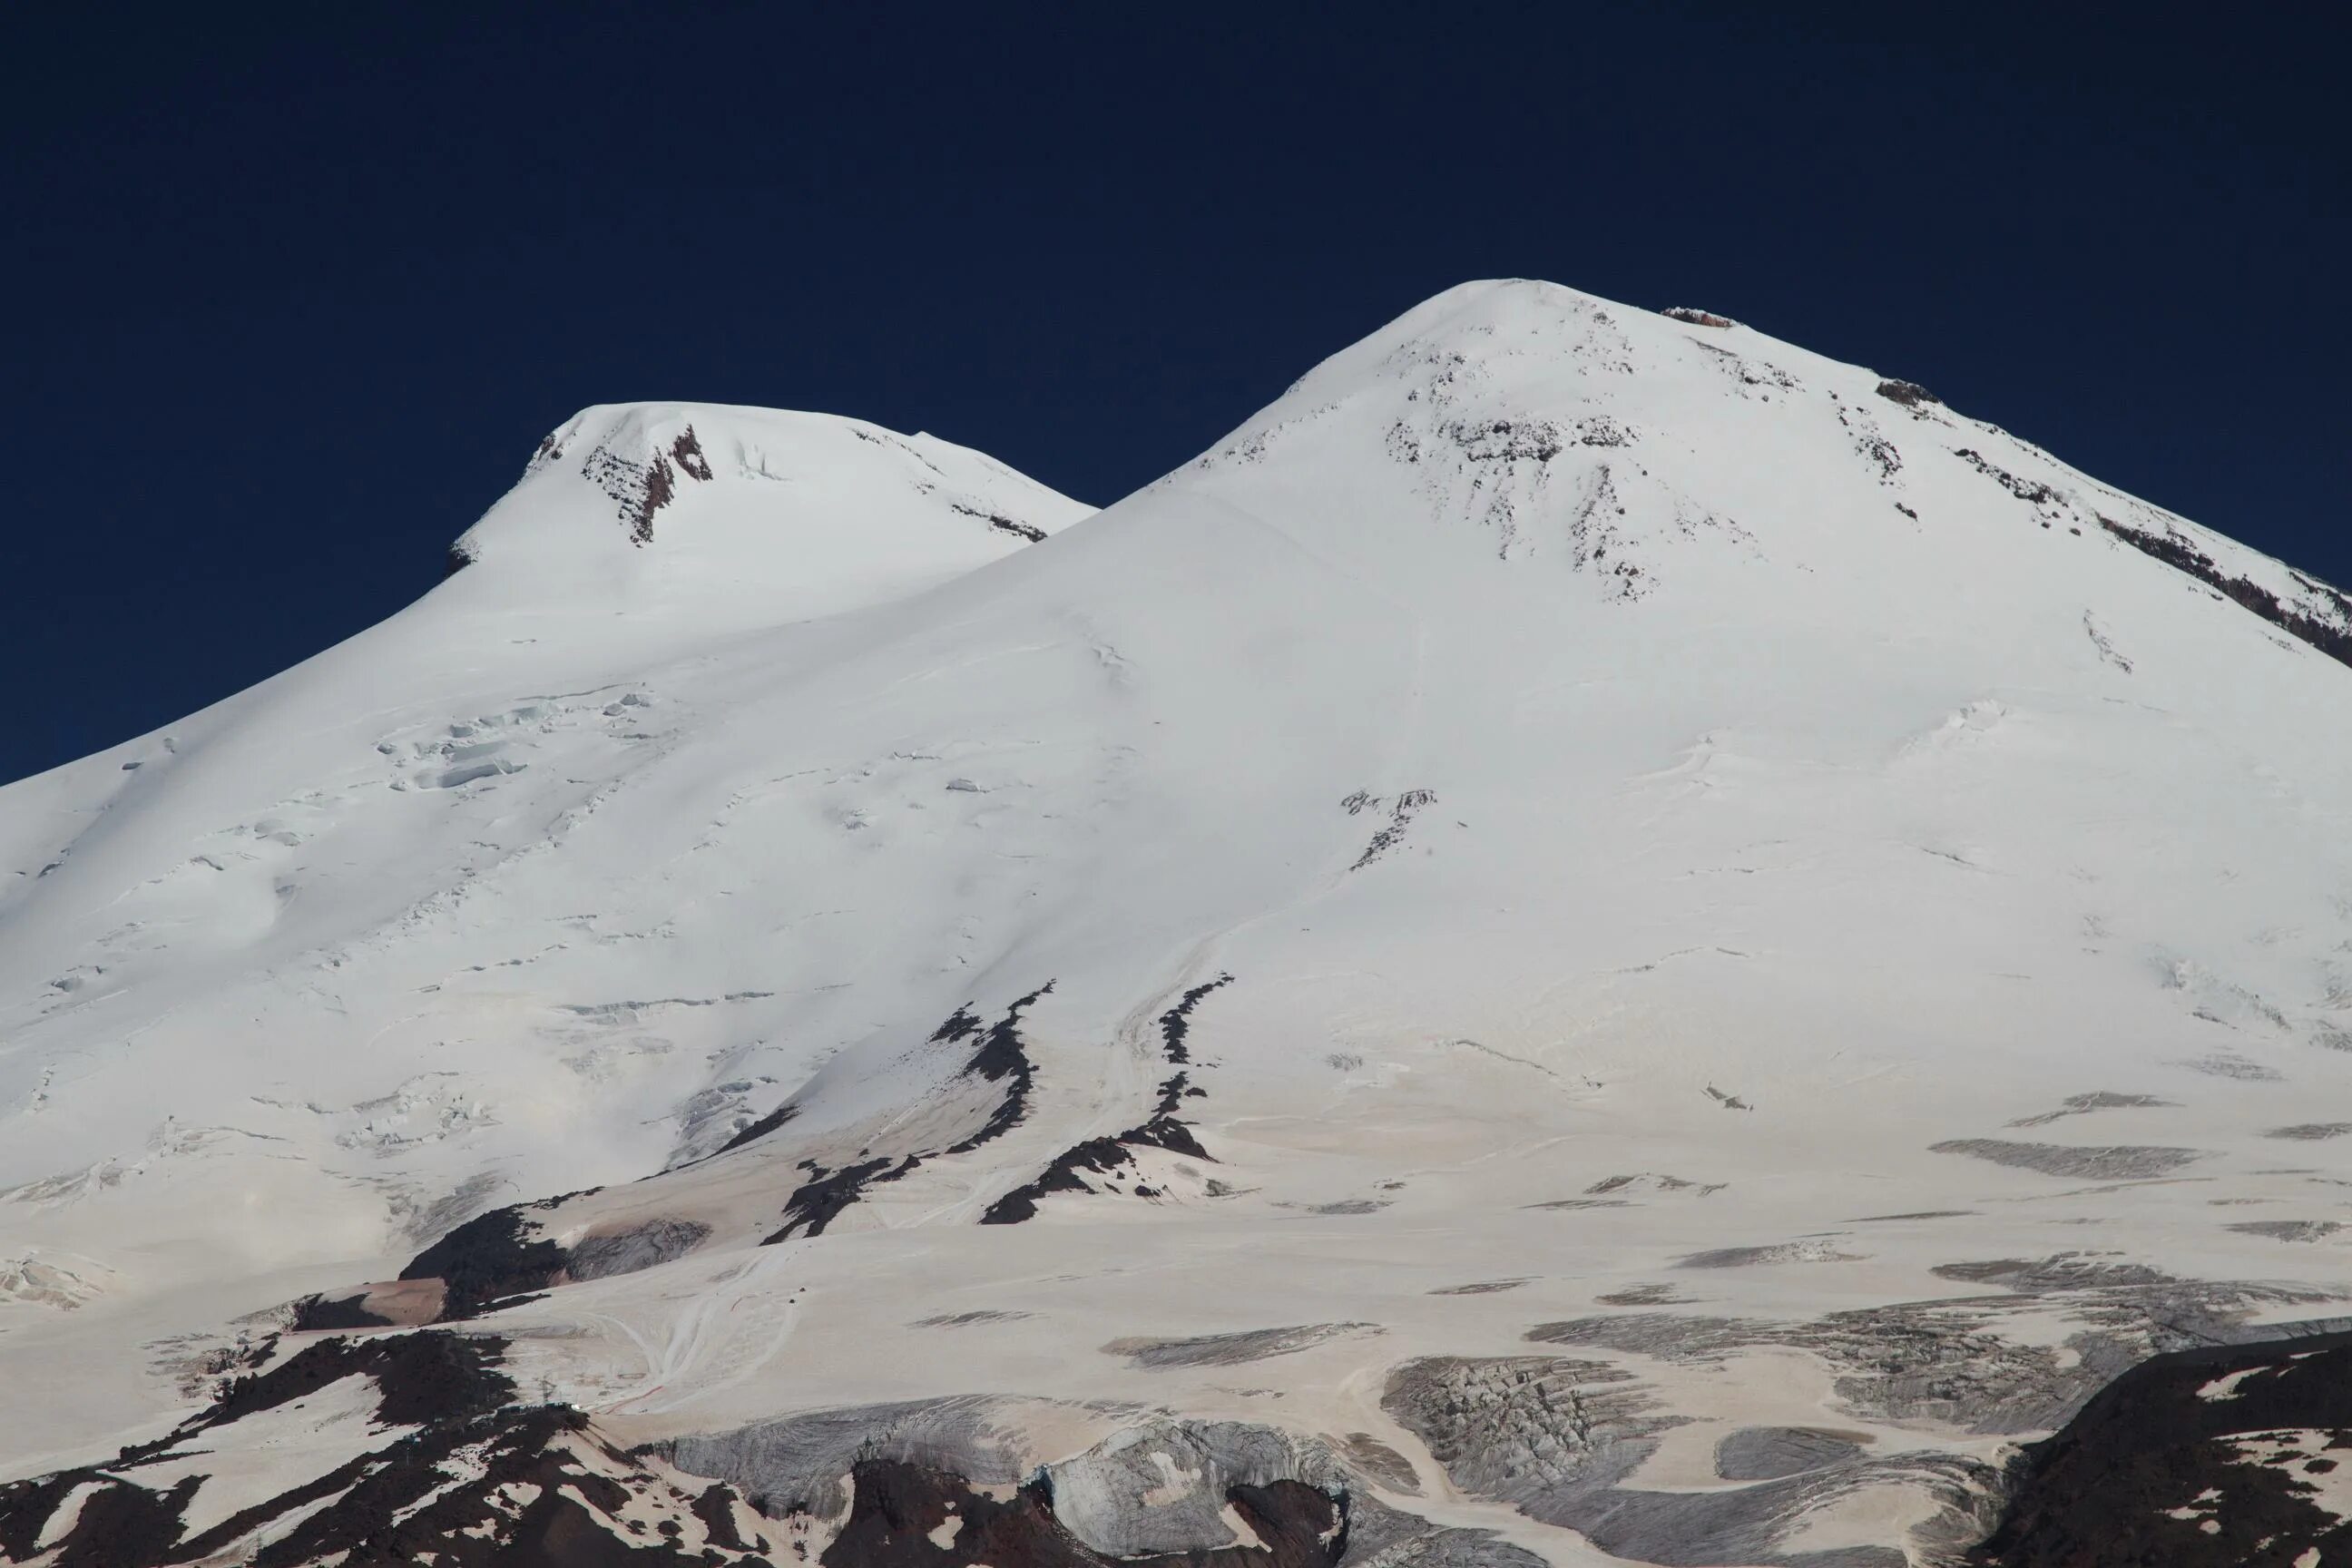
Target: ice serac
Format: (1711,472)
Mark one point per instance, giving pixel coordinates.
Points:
(1595,939)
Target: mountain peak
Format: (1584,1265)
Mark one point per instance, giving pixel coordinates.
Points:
(752,504)
(1653,452)
(1572,808)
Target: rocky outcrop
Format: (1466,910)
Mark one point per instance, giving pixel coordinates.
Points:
(644,484)
(2213,1457)
(2332,638)
(450,1471)
(1696,317)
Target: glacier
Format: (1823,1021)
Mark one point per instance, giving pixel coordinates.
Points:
(1596,939)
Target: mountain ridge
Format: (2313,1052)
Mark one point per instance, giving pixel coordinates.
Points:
(1627,815)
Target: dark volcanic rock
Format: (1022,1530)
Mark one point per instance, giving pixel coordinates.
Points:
(900,1511)
(462,1479)
(1002,523)
(818,1202)
(2204,1459)
(1066,1175)
(1177,1022)
(1909,394)
(760,1128)
(314,1313)
(422,1377)
(1097,1156)
(2175,551)
(999,1059)
(489,1258)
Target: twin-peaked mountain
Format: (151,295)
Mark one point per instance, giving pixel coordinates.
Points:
(1596,938)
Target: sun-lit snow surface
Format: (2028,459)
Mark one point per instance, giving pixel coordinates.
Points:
(1714,857)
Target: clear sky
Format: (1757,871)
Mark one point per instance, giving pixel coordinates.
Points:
(299,288)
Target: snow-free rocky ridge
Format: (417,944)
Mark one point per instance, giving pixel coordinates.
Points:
(1597,938)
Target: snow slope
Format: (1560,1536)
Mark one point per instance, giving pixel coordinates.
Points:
(1600,929)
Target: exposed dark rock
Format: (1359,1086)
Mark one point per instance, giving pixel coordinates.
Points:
(899,1510)
(422,1377)
(2335,641)
(470,1481)
(1167,1132)
(818,1202)
(1002,523)
(762,1127)
(458,557)
(27,1506)
(1696,317)
(1505,440)
(999,1059)
(1177,1022)
(646,1245)
(489,1258)
(1066,1175)
(1096,1156)
(123,1524)
(1400,814)
(313,1313)
(2025,490)
(405,1511)
(715,1507)
(2201,1458)
(1909,394)
(1747,371)
(659,484)
(644,486)
(962,1025)
(687,452)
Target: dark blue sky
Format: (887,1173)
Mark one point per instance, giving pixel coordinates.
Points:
(300,289)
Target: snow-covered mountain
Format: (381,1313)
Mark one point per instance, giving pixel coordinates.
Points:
(1597,938)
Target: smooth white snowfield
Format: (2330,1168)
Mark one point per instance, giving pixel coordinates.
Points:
(1596,746)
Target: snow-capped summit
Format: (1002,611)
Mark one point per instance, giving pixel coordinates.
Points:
(749,515)
(1631,448)
(1597,938)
